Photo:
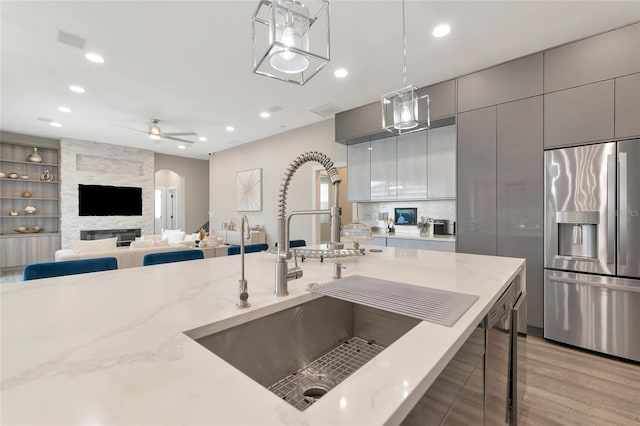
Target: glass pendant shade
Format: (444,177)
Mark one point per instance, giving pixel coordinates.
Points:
(403,111)
(291,39)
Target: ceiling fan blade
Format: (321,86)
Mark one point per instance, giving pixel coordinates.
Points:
(176,139)
(180,134)
(130,128)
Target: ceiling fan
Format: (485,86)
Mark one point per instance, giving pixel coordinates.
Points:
(155,133)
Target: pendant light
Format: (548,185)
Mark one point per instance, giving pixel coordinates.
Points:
(290,39)
(403,111)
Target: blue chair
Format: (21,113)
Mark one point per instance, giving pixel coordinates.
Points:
(295,243)
(171,256)
(36,271)
(251,248)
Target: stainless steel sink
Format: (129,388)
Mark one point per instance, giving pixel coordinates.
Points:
(301,353)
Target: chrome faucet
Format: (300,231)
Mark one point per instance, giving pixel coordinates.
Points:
(283,273)
(244,294)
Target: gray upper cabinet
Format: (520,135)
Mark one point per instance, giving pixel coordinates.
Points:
(412,166)
(442,99)
(359,167)
(520,190)
(383,169)
(510,81)
(627,106)
(581,114)
(441,162)
(477,182)
(364,120)
(602,57)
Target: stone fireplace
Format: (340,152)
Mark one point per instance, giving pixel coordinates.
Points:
(125,236)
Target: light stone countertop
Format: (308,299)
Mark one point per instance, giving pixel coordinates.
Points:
(109,348)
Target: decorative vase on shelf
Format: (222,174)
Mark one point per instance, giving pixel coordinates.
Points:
(46,176)
(34,157)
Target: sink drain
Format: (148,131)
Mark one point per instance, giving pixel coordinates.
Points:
(315,386)
(315,392)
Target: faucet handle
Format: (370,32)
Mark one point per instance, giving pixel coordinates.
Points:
(337,270)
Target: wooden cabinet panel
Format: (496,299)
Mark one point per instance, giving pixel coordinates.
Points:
(13,252)
(602,57)
(412,166)
(441,163)
(627,113)
(581,114)
(476,225)
(359,166)
(511,81)
(383,169)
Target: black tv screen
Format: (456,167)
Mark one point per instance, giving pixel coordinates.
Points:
(102,200)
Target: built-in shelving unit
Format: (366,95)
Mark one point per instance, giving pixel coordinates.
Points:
(29,188)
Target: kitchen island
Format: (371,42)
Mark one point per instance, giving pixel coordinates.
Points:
(110,347)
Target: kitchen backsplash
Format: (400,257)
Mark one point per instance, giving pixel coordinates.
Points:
(436,209)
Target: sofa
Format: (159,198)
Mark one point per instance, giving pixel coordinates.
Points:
(128,257)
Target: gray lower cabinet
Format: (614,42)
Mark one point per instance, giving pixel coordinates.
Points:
(359,166)
(441,162)
(16,251)
(449,246)
(412,166)
(476,226)
(627,117)
(377,241)
(520,189)
(581,114)
(383,169)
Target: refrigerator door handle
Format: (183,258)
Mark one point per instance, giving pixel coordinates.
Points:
(624,207)
(635,289)
(611,208)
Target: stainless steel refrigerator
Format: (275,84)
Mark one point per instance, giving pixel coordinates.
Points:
(592,247)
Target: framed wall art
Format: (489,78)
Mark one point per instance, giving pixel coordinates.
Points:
(249,190)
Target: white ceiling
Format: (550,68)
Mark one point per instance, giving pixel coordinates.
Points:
(189,63)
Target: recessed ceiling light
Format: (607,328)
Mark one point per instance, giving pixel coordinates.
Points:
(55,124)
(94,57)
(265,114)
(341,73)
(441,30)
(182,147)
(202,139)
(229,128)
(64,109)
(76,89)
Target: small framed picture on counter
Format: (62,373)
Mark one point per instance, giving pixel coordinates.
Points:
(405,216)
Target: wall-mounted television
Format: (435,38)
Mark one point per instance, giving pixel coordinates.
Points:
(104,200)
(405,216)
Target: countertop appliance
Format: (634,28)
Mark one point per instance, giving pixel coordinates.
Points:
(440,227)
(592,247)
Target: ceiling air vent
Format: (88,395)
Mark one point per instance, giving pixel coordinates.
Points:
(71,39)
(274,109)
(326,110)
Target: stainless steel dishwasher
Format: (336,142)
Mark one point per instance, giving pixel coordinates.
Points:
(505,376)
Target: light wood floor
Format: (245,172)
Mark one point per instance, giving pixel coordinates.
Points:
(566,386)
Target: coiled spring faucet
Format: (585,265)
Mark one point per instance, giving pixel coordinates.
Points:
(283,273)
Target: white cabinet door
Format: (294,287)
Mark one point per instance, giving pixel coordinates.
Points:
(412,166)
(449,246)
(383,169)
(359,167)
(441,162)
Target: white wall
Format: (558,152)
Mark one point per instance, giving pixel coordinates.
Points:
(84,162)
(273,155)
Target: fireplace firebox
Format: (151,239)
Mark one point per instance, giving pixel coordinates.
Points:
(125,236)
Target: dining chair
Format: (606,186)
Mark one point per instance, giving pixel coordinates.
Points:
(69,267)
(251,248)
(171,256)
